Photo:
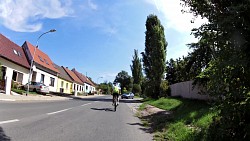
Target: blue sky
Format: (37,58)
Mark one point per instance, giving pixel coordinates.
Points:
(97,37)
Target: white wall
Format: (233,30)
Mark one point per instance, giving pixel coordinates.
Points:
(76,84)
(46,79)
(10,67)
(185,90)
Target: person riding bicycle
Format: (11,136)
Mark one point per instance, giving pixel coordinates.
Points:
(115,92)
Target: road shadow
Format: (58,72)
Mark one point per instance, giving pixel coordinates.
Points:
(3,137)
(103,109)
(142,127)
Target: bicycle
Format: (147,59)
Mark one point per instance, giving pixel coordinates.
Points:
(115,103)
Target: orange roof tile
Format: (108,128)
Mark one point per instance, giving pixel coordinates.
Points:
(82,77)
(72,75)
(12,52)
(41,58)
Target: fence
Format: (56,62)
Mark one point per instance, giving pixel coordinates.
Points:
(186,90)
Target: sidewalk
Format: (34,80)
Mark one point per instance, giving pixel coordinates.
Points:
(16,97)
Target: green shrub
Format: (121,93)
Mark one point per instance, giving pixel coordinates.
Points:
(136,88)
(164,89)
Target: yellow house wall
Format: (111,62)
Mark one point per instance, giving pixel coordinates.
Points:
(66,90)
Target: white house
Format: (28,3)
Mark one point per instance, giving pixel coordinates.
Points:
(78,85)
(44,69)
(88,85)
(14,64)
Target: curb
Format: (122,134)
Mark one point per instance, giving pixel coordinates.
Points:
(7,100)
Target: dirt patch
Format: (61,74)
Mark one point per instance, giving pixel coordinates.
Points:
(151,110)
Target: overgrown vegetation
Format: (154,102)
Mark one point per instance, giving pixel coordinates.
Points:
(189,120)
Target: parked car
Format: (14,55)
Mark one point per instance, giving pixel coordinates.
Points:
(37,87)
(127,95)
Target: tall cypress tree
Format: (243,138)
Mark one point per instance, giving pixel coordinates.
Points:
(154,57)
(136,68)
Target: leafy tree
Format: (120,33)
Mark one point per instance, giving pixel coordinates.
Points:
(171,71)
(154,57)
(125,80)
(225,46)
(136,69)
(105,87)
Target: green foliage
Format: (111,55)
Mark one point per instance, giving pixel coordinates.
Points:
(154,56)
(125,80)
(105,87)
(136,69)
(188,119)
(136,88)
(223,51)
(165,89)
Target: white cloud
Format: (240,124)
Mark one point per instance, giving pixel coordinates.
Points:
(171,10)
(24,15)
(92,5)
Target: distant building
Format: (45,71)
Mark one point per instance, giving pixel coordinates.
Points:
(88,84)
(78,85)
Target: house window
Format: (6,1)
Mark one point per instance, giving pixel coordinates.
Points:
(41,59)
(19,77)
(14,76)
(77,88)
(42,78)
(52,81)
(66,85)
(86,88)
(74,86)
(62,84)
(15,51)
(3,72)
(46,61)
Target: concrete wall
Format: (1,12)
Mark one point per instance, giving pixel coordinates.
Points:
(185,90)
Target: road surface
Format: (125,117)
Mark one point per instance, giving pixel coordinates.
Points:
(90,119)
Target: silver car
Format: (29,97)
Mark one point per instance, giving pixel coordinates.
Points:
(37,87)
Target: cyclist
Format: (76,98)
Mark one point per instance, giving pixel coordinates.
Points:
(115,92)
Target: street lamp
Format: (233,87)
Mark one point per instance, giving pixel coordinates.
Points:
(32,61)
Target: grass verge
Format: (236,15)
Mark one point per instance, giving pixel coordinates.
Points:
(189,119)
(19,91)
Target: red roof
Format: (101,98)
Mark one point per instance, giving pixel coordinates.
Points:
(72,75)
(12,52)
(41,58)
(82,77)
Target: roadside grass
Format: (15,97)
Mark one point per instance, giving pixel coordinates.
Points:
(20,91)
(189,119)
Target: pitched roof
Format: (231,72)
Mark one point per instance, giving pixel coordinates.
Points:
(72,75)
(41,58)
(12,52)
(63,74)
(82,77)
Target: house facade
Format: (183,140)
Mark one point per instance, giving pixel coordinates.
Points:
(88,85)
(14,64)
(78,85)
(65,83)
(44,69)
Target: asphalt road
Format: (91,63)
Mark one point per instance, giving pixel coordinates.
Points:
(91,119)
